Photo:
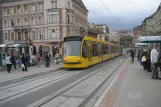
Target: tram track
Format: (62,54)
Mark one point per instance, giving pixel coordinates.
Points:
(6,89)
(99,87)
(72,85)
(30,80)
(20,79)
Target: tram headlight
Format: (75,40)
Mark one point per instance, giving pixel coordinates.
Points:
(79,58)
(64,59)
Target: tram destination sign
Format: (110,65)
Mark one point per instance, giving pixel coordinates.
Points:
(72,39)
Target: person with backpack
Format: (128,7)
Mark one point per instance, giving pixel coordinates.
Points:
(8,63)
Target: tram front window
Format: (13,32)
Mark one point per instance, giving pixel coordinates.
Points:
(72,48)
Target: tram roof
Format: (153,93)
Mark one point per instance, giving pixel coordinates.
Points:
(149,39)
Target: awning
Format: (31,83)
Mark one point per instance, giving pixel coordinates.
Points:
(17,45)
(3,45)
(149,39)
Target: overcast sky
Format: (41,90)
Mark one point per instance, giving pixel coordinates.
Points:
(129,13)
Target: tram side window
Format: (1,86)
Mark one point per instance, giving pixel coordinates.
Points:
(94,50)
(105,49)
(84,50)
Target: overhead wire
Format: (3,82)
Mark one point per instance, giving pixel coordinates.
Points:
(110,13)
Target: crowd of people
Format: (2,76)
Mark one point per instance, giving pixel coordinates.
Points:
(24,60)
(150,59)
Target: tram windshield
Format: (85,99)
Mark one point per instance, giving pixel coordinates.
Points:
(72,48)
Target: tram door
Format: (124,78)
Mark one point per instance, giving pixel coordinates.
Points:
(89,52)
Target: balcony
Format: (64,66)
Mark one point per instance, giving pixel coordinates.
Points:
(27,27)
(70,10)
(53,10)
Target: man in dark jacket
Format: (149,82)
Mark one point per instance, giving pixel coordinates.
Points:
(148,61)
(132,56)
(47,59)
(13,60)
(24,60)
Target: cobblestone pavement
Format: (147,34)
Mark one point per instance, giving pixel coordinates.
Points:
(133,87)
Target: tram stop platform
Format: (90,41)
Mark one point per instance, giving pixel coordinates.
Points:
(132,87)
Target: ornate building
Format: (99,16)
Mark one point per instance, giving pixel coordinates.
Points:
(44,22)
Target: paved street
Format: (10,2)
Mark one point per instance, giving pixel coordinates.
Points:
(28,93)
(133,87)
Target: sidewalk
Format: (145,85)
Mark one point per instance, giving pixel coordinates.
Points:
(133,87)
(4,75)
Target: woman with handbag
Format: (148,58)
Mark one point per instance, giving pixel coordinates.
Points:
(144,61)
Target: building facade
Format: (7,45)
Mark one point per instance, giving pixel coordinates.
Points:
(0,23)
(103,31)
(43,22)
(156,23)
(114,36)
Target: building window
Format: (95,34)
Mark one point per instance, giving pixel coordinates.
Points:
(5,10)
(11,10)
(18,21)
(5,36)
(39,7)
(25,21)
(40,20)
(25,8)
(5,23)
(12,36)
(68,19)
(26,35)
(54,18)
(33,35)
(32,7)
(68,5)
(72,19)
(40,34)
(12,23)
(19,35)
(18,9)
(54,4)
(32,21)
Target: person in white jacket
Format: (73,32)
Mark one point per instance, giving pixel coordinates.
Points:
(8,63)
(154,58)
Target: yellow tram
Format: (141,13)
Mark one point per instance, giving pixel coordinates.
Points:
(82,52)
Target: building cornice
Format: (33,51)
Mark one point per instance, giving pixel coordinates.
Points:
(15,3)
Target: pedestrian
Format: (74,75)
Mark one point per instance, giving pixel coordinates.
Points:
(24,60)
(154,59)
(28,59)
(13,60)
(57,57)
(148,61)
(138,56)
(132,56)
(47,59)
(38,59)
(144,60)
(8,63)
